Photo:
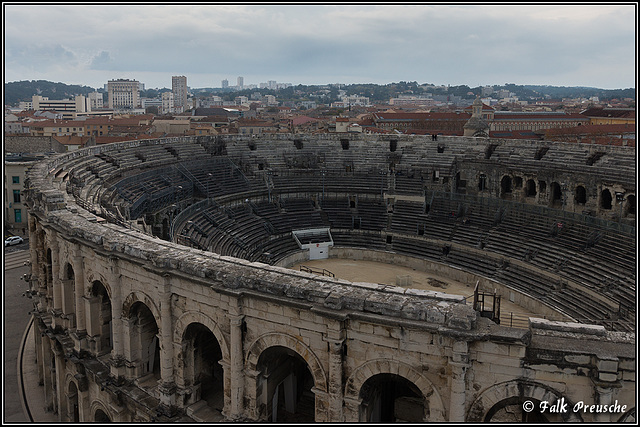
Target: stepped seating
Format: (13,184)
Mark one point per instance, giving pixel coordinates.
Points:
(417,248)
(408,185)
(338,213)
(358,240)
(603,263)
(407,217)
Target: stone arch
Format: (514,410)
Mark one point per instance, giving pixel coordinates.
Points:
(580,195)
(506,186)
(606,199)
(196,317)
(556,196)
(628,417)
(530,188)
(98,407)
(91,277)
(497,393)
(631,204)
(282,340)
(355,382)
(141,297)
(142,332)
(72,395)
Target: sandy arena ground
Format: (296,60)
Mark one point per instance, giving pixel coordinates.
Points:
(375,272)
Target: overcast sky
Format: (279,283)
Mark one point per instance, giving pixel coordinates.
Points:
(476,45)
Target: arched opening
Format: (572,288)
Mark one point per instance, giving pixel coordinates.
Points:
(391,398)
(530,188)
(510,410)
(556,195)
(581,195)
(605,199)
(144,343)
(73,412)
(202,355)
(285,384)
(101,417)
(505,186)
(461,184)
(631,205)
(482,182)
(69,293)
(100,319)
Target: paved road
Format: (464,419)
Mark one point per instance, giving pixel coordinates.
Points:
(16,309)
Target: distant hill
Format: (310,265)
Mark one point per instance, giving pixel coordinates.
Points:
(15,92)
(579,91)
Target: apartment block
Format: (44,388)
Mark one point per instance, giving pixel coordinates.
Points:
(123,93)
(179,90)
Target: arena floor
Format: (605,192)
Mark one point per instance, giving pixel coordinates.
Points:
(375,272)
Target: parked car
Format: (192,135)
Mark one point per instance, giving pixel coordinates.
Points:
(13,240)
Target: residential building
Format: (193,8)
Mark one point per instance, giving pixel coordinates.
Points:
(167,103)
(69,108)
(96,100)
(610,116)
(123,94)
(180,91)
(57,128)
(240,83)
(255,127)
(15,167)
(225,84)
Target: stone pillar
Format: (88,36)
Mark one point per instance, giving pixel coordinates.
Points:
(336,394)
(167,386)
(604,384)
(603,394)
(47,354)
(33,252)
(459,362)
(117,349)
(79,337)
(236,368)
(59,395)
(56,282)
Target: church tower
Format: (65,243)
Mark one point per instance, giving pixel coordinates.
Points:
(476,126)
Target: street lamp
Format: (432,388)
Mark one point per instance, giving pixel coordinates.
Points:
(620,199)
(209,175)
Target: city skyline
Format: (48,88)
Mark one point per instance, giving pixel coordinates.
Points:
(577,45)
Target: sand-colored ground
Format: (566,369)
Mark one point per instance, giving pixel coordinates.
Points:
(388,274)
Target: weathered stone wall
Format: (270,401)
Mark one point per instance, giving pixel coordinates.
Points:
(32,144)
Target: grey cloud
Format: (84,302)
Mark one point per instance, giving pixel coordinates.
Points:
(102,61)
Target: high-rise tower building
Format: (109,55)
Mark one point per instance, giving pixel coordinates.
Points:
(240,82)
(179,89)
(123,93)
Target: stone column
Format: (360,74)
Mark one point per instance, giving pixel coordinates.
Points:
(33,252)
(56,282)
(604,394)
(336,393)
(604,384)
(79,337)
(59,395)
(167,386)
(117,349)
(236,368)
(458,363)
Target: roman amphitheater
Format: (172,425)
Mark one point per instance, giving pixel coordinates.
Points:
(337,277)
